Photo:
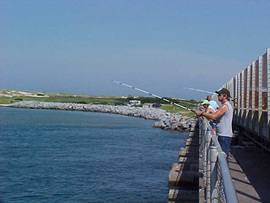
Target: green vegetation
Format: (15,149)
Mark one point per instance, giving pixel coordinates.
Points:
(81,99)
(67,99)
(6,100)
(174,109)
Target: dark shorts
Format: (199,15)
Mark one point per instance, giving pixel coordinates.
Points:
(225,143)
(213,124)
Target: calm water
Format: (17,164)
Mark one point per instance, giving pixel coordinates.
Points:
(60,156)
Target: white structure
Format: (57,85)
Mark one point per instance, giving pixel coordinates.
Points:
(134,103)
(251,91)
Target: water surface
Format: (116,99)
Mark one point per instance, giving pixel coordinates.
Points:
(61,156)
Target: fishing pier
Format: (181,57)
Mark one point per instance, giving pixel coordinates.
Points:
(203,173)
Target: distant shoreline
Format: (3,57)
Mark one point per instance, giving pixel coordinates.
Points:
(165,120)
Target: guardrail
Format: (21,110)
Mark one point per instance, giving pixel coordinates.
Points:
(217,181)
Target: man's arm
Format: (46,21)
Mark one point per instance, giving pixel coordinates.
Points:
(213,116)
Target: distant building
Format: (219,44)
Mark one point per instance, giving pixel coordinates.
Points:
(134,103)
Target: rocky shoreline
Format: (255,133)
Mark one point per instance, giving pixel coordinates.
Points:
(165,120)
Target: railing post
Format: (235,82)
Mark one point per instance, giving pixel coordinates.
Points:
(213,171)
(208,176)
(207,141)
(208,165)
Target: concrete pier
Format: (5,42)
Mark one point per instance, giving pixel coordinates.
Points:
(183,179)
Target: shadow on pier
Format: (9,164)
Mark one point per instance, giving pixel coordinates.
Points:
(249,167)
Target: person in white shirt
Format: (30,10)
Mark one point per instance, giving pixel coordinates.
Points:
(223,117)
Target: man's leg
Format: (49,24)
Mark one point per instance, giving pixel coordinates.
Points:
(225,143)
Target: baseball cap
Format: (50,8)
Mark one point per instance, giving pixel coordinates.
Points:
(213,104)
(205,102)
(224,91)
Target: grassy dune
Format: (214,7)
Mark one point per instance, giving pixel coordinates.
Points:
(66,99)
(113,100)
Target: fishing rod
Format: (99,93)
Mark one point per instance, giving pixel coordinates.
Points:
(199,90)
(151,94)
(205,91)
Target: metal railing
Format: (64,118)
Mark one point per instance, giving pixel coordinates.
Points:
(217,181)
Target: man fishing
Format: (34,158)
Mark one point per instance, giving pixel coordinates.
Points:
(223,117)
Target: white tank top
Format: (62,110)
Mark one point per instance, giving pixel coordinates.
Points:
(224,123)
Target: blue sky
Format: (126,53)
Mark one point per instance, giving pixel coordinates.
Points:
(161,46)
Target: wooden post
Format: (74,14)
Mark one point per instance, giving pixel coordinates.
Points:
(248,86)
(253,87)
(249,96)
(242,97)
(268,88)
(260,93)
(238,99)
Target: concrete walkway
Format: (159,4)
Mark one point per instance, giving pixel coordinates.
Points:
(250,171)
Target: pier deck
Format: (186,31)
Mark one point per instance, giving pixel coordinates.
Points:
(249,167)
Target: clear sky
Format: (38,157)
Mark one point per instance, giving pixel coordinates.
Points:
(80,46)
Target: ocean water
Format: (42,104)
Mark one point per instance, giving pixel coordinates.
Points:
(60,156)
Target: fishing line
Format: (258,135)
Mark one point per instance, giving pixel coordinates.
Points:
(151,94)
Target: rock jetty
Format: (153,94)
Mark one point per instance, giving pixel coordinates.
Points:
(175,122)
(165,120)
